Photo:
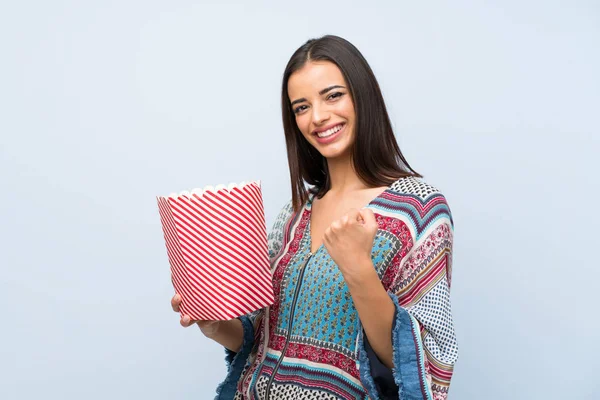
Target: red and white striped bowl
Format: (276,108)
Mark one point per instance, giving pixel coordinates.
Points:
(217,247)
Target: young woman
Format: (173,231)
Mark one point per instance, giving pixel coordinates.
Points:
(361,262)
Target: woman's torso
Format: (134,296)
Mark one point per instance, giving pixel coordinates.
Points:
(306,341)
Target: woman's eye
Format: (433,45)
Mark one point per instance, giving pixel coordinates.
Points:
(298,109)
(332,96)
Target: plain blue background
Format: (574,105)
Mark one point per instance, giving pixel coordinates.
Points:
(106,104)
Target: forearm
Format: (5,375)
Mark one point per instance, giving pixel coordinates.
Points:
(375,310)
(229,334)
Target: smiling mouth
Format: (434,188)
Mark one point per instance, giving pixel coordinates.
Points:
(331,131)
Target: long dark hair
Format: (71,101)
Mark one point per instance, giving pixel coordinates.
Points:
(376,155)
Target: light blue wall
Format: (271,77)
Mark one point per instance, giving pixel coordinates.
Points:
(104,105)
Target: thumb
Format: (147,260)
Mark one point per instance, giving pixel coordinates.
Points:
(368,216)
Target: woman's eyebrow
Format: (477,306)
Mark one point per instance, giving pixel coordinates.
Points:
(322,92)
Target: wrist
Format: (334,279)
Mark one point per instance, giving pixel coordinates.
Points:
(361,272)
(210,329)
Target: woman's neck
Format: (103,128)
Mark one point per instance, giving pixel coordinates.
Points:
(342,176)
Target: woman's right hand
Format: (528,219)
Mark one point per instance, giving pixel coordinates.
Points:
(208,328)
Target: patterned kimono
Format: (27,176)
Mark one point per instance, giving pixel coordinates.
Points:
(310,343)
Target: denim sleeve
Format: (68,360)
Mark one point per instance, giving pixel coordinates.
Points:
(409,371)
(382,375)
(236,362)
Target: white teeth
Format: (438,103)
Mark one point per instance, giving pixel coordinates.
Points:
(329,132)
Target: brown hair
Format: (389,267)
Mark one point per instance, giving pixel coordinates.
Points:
(376,155)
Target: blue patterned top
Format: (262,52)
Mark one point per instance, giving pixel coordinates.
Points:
(310,343)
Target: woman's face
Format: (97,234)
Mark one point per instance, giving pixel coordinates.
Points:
(323,107)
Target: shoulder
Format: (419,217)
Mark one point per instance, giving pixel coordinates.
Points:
(419,201)
(417,187)
(284,212)
(276,235)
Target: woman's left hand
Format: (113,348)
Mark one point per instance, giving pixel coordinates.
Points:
(349,240)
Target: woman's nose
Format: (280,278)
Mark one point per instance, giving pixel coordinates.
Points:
(319,115)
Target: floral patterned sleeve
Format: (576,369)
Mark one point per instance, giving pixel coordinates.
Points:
(423,336)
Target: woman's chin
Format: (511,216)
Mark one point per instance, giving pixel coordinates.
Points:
(335,154)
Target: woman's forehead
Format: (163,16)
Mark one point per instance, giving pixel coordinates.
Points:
(313,77)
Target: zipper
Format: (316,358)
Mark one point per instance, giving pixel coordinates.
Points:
(289,331)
